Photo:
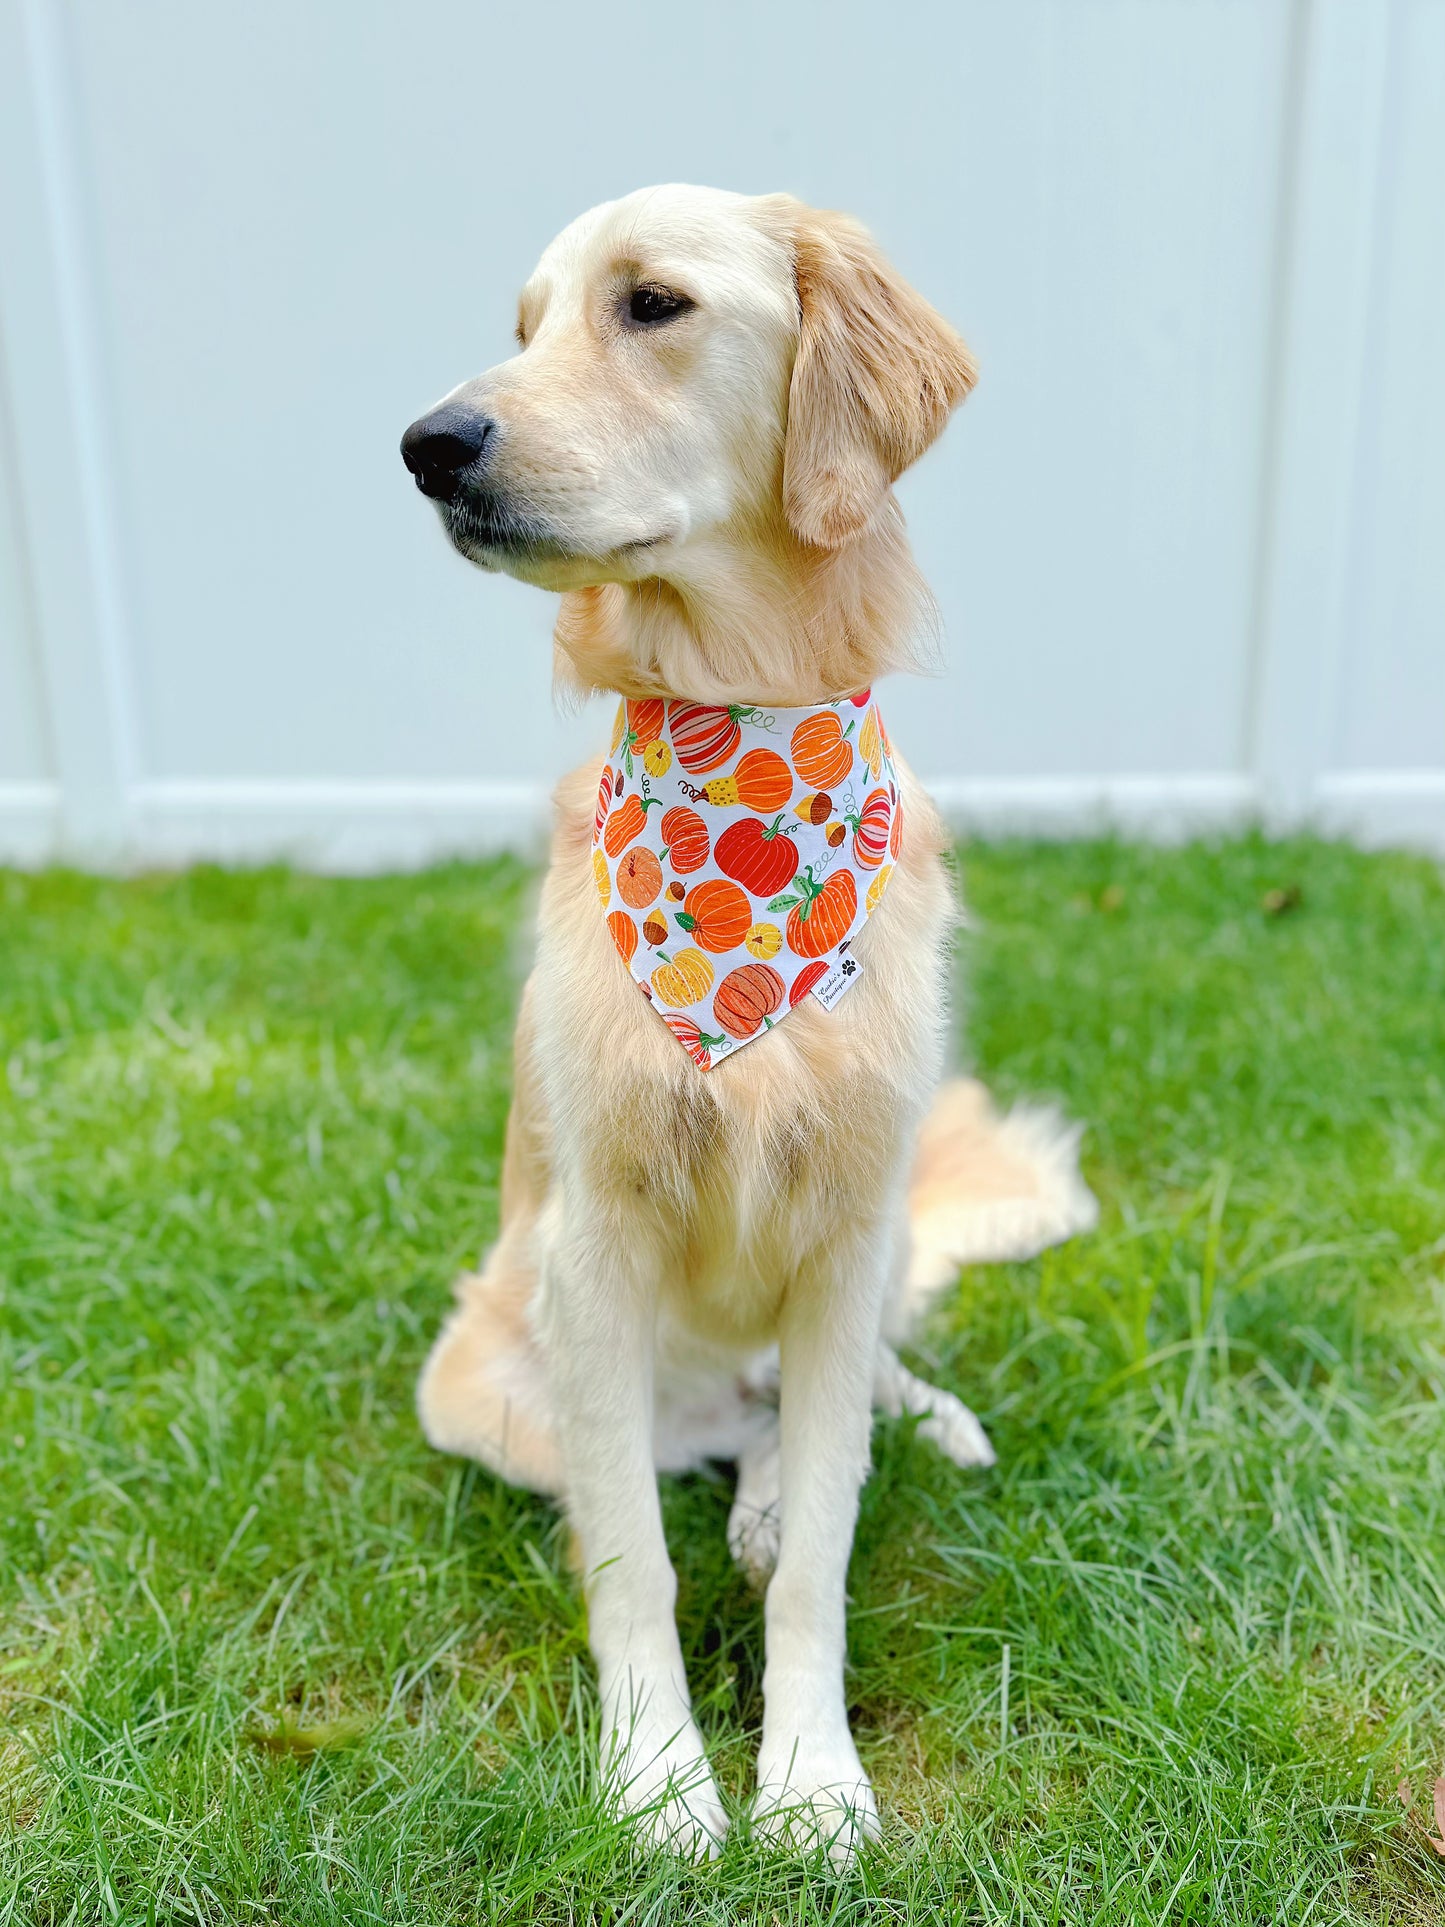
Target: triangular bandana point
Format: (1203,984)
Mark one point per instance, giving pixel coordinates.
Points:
(737,852)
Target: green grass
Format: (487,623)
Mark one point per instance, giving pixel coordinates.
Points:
(1167,1663)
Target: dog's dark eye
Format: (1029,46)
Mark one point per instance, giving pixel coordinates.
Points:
(650,304)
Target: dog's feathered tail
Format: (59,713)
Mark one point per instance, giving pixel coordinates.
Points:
(987,1188)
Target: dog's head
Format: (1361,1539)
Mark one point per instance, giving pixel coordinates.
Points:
(693,365)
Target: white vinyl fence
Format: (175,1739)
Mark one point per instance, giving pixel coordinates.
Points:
(1188,536)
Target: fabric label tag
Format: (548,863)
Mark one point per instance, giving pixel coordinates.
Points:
(842,977)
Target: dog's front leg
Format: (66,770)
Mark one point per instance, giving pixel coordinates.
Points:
(811,1786)
(599,1312)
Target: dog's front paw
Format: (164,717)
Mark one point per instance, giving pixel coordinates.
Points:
(815,1796)
(662,1784)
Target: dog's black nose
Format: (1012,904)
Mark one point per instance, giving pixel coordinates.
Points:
(441,445)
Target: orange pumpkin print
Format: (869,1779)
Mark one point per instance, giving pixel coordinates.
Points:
(870,829)
(639,877)
(761,781)
(604,797)
(642,725)
(822,754)
(698,1045)
(716,915)
(625,823)
(685,838)
(747,998)
(757,855)
(624,934)
(706,734)
(645,718)
(810,974)
(823,914)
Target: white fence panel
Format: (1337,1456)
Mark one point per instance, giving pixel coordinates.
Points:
(1186,536)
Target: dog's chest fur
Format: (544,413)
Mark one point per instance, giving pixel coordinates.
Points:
(741,1178)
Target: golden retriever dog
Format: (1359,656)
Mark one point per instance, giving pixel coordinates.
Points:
(695,445)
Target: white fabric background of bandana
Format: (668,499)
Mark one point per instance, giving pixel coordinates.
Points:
(737,853)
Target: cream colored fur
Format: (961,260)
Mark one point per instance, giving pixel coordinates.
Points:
(693,1266)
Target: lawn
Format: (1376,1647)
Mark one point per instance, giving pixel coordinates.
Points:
(264,1656)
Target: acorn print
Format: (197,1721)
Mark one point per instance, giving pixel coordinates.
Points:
(816,807)
(676,891)
(655,929)
(836,834)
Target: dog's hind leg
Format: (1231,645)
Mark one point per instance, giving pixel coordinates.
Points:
(485,1390)
(755,1524)
(946,1421)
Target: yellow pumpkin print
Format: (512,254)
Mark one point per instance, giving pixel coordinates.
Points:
(764,940)
(877,887)
(682,979)
(604,881)
(657,758)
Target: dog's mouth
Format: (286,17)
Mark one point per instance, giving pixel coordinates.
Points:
(496,535)
(492,533)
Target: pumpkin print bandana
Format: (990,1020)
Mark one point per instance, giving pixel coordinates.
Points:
(738,850)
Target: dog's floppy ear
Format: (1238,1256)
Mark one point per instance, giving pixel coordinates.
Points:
(877,375)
